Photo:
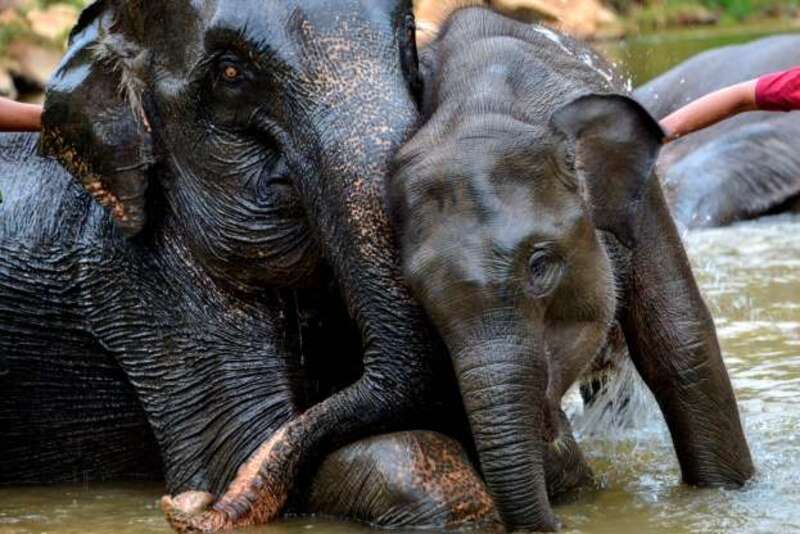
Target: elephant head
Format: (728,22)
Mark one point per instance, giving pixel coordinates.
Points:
(500,240)
(262,127)
(250,139)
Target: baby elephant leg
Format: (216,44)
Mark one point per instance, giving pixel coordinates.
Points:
(413,480)
(566,469)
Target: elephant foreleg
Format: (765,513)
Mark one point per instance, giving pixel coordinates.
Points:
(673,343)
(264,483)
(566,469)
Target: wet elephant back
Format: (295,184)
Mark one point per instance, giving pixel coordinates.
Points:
(708,72)
(743,173)
(67,409)
(740,168)
(41,204)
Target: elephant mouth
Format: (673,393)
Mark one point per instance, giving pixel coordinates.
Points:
(256,496)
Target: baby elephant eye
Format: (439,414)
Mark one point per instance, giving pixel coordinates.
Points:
(545,270)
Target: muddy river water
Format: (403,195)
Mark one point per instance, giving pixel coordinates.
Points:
(750,274)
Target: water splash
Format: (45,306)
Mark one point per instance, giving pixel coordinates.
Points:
(623,407)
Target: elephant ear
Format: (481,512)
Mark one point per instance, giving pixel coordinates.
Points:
(94,122)
(616,143)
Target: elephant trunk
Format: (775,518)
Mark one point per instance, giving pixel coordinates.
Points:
(359,243)
(504,386)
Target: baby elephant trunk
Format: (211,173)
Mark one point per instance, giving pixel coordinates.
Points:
(503,384)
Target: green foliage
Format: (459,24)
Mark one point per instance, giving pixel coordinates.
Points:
(737,9)
(671,13)
(80,4)
(660,14)
(10,32)
(624,6)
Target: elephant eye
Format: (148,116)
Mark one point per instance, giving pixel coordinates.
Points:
(545,270)
(230,71)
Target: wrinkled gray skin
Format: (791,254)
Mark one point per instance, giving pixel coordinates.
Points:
(530,221)
(239,149)
(742,168)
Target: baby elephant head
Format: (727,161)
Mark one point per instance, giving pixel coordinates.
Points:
(499,224)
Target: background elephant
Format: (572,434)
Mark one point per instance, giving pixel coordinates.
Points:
(530,221)
(238,150)
(742,168)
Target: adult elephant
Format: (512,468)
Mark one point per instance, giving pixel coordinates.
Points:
(739,169)
(530,222)
(236,151)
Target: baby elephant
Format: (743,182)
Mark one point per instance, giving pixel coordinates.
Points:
(530,222)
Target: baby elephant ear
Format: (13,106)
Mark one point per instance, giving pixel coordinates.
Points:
(94,123)
(617,143)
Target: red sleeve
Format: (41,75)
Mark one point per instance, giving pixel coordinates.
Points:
(779,91)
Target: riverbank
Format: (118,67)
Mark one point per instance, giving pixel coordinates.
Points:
(658,15)
(604,19)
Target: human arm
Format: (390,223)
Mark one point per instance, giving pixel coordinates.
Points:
(779,91)
(15,116)
(711,109)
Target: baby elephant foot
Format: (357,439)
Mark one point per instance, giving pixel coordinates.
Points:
(257,496)
(566,469)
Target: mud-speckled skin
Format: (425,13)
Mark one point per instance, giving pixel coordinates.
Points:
(531,221)
(221,175)
(741,168)
(420,480)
